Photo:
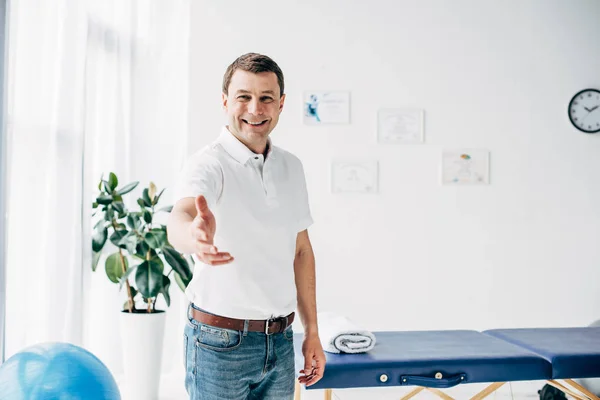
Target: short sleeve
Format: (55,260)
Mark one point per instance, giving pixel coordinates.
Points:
(200,175)
(304,217)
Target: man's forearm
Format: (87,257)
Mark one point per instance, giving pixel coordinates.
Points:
(178,228)
(304,269)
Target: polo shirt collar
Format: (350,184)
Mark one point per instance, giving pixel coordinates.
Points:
(238,150)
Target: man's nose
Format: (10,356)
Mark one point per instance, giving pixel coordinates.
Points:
(255,107)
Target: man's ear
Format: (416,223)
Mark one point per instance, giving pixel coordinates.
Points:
(224,100)
(281,102)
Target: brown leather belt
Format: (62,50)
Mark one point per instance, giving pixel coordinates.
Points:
(269,326)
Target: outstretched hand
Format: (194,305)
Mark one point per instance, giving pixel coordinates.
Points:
(202,230)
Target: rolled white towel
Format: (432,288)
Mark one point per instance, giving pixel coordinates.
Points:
(340,335)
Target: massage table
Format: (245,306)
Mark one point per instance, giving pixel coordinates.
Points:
(435,360)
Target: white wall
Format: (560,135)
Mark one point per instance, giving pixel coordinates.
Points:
(520,252)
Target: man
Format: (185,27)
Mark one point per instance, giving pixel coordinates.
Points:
(242,212)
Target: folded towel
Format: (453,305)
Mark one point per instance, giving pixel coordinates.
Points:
(340,335)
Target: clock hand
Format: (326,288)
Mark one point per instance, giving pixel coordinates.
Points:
(593,108)
(587,109)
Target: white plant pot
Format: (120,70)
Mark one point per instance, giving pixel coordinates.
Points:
(142,343)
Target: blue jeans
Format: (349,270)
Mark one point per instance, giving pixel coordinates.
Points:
(225,364)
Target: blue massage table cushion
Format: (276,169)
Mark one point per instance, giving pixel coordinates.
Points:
(438,359)
(573,352)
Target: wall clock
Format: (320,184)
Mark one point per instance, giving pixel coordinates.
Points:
(584,110)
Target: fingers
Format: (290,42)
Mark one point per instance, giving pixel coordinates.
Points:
(203,247)
(308,362)
(201,205)
(313,377)
(213,256)
(314,368)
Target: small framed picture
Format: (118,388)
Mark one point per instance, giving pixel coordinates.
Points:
(465,167)
(322,107)
(400,125)
(354,176)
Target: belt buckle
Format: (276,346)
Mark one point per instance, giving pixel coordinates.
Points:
(268,325)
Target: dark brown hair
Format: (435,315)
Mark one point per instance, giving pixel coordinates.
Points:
(255,63)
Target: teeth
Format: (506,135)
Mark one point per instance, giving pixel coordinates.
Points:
(255,123)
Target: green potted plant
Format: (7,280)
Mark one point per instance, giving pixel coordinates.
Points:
(139,258)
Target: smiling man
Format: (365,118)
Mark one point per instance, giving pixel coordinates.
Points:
(242,212)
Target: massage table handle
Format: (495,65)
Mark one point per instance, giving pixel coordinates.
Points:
(437,382)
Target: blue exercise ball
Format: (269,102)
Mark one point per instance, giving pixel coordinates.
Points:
(56,371)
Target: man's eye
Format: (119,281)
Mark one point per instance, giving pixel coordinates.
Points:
(244,97)
(267,99)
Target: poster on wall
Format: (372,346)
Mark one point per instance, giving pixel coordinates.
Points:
(323,107)
(465,167)
(354,176)
(402,126)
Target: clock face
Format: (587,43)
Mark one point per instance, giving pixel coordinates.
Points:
(584,111)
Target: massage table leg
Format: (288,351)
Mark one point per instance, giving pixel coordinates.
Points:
(440,393)
(479,396)
(297,393)
(413,393)
(583,390)
(487,391)
(587,395)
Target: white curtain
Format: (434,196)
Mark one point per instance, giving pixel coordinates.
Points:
(93,86)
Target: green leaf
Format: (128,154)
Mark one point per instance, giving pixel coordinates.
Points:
(159,262)
(119,207)
(167,209)
(117,236)
(178,263)
(157,198)
(148,278)
(141,203)
(165,290)
(95,259)
(132,221)
(182,285)
(99,238)
(130,242)
(142,249)
(156,238)
(106,186)
(123,278)
(128,188)
(109,213)
(104,199)
(147,216)
(95,204)
(114,267)
(113,182)
(146,198)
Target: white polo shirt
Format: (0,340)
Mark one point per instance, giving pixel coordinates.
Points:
(260,205)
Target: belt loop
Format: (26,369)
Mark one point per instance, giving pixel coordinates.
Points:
(245,327)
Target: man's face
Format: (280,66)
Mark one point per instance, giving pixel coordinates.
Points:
(253,106)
